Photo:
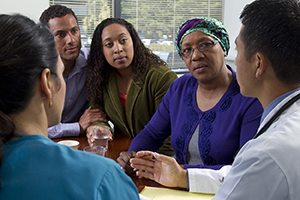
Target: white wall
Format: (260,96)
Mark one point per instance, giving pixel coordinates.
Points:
(34,8)
(30,8)
(232,11)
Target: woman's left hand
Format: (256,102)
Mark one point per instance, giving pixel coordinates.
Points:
(92,129)
(163,169)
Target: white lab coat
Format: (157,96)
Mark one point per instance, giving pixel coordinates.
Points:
(268,167)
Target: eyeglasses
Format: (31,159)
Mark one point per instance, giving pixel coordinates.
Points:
(203,46)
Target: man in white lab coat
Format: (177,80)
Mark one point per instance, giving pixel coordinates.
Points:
(268,67)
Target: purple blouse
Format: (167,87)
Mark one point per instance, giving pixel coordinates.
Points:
(222,130)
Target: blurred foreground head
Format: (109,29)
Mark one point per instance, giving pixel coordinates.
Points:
(26,49)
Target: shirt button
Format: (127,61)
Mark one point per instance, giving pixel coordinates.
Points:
(66,117)
(69,100)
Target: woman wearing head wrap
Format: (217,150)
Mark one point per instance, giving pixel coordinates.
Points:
(203,111)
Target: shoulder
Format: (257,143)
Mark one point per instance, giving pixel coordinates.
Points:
(279,143)
(46,156)
(67,158)
(187,81)
(254,164)
(160,71)
(183,87)
(46,147)
(81,61)
(266,155)
(84,52)
(159,76)
(40,147)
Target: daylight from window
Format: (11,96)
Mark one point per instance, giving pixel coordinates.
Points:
(156,21)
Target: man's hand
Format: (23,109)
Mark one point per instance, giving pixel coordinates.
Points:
(89,117)
(163,169)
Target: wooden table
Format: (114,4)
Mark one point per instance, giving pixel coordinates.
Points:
(120,143)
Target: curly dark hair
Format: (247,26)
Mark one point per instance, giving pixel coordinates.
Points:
(98,68)
(55,11)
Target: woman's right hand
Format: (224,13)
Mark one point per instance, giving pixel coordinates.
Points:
(124,161)
(163,169)
(89,136)
(90,131)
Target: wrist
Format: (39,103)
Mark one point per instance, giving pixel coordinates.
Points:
(81,130)
(182,179)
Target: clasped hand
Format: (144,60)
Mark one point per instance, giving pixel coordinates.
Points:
(92,129)
(89,117)
(163,169)
(124,161)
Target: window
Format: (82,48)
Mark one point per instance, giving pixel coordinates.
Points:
(156,21)
(89,14)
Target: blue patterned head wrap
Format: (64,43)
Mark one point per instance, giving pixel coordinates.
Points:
(207,25)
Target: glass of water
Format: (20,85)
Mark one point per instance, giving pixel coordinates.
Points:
(99,150)
(101,134)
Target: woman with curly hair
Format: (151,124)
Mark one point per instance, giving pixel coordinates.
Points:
(125,79)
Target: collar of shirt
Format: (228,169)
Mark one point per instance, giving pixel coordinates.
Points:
(80,62)
(275,102)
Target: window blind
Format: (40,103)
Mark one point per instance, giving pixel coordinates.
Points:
(156,21)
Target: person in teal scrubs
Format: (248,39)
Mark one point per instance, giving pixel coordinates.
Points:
(32,93)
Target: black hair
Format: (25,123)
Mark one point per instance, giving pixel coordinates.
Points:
(272,27)
(26,49)
(55,11)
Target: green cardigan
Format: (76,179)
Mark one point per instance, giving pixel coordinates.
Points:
(141,104)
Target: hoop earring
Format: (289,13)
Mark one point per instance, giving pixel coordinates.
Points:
(50,103)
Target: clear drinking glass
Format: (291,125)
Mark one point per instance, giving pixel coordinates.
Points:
(100,134)
(99,150)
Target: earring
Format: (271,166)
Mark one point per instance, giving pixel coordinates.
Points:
(50,103)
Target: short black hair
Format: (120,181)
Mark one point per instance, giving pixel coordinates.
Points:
(272,27)
(55,11)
